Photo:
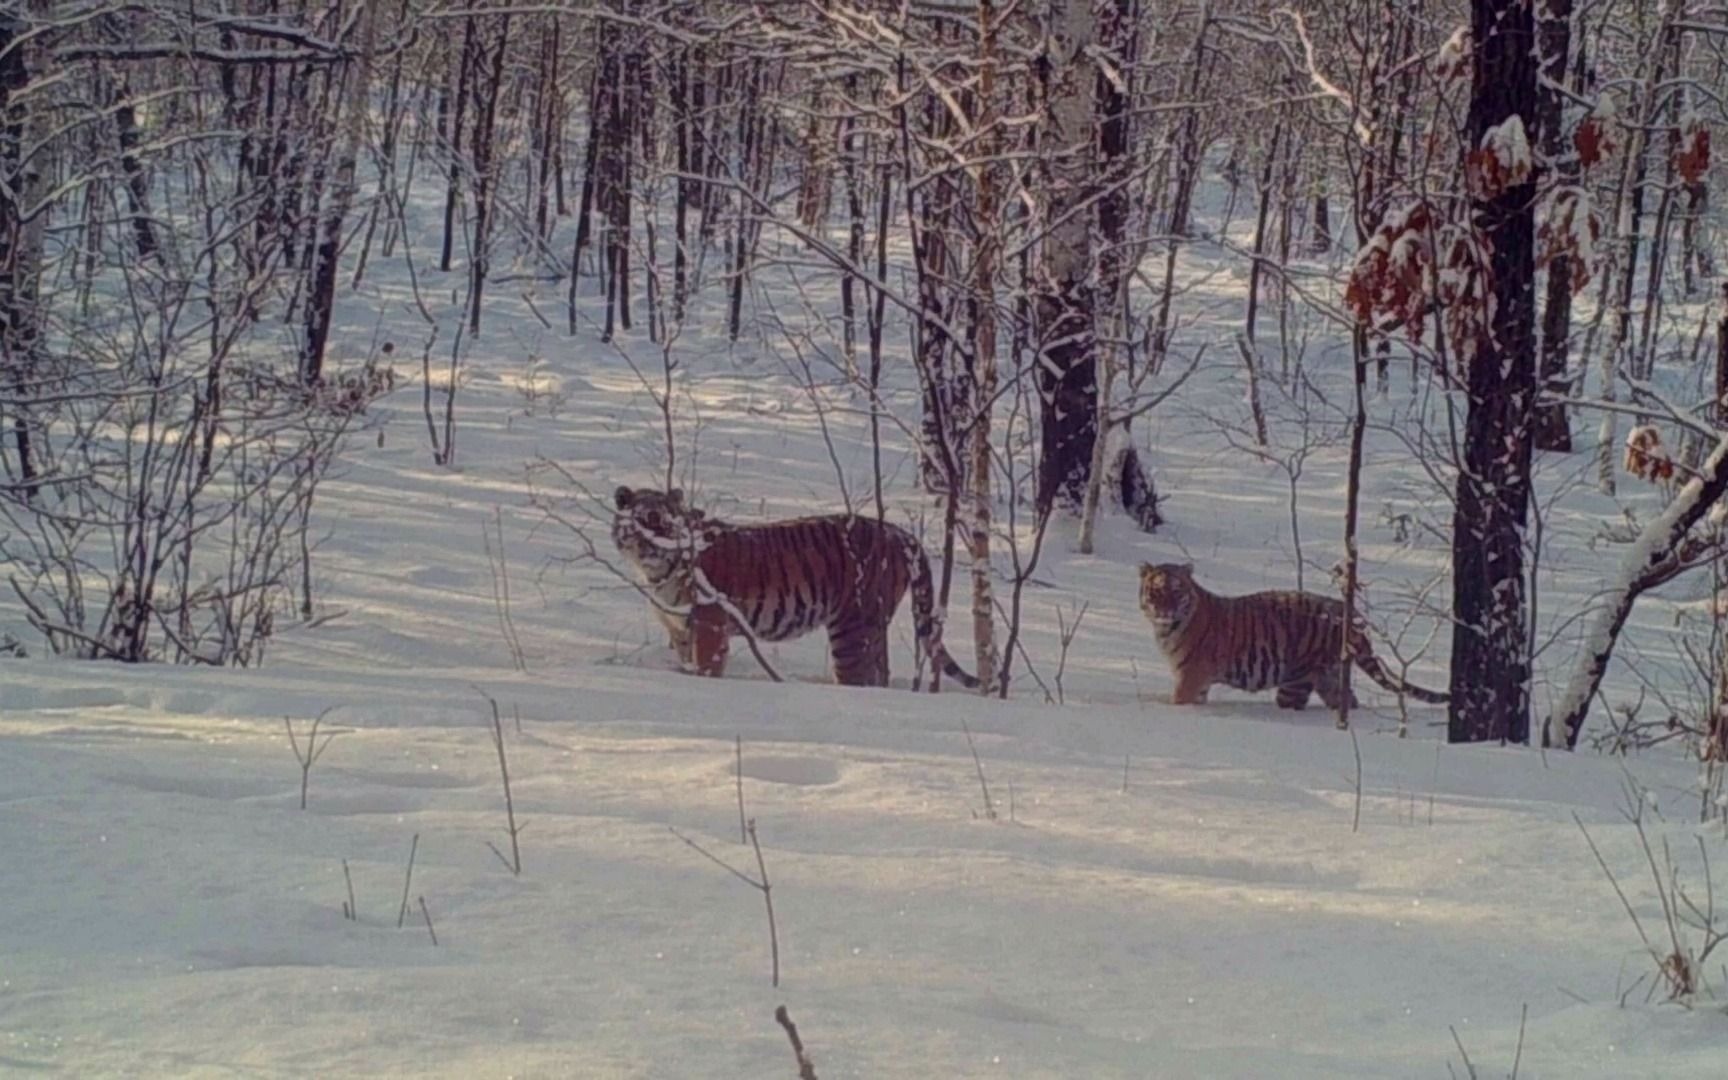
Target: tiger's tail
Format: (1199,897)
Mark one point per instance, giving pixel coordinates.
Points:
(1369,663)
(926,623)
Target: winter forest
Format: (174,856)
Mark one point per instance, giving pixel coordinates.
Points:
(863,538)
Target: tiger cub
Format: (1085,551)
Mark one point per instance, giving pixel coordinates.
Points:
(1287,640)
(842,573)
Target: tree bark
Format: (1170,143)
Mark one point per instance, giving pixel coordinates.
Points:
(355,87)
(984,358)
(1554,39)
(19,251)
(1658,554)
(1111,101)
(1067,365)
(1490,657)
(461,67)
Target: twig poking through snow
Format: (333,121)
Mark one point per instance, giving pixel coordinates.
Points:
(983,784)
(1469,1069)
(514,862)
(402,912)
(1518,1055)
(350,910)
(762,886)
(492,536)
(314,749)
(806,1069)
(427,915)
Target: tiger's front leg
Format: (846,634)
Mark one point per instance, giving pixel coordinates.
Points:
(678,637)
(1191,689)
(708,638)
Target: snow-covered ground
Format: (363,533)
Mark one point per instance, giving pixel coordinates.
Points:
(167,909)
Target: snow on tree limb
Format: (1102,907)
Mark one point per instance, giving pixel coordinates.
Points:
(1655,557)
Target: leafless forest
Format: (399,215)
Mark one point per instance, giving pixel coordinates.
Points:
(1504,207)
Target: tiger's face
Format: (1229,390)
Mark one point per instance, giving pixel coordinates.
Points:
(653,528)
(1167,593)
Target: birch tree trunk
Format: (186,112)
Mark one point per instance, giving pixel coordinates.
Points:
(984,357)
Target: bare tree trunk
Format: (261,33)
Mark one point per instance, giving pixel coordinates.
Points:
(687,192)
(137,182)
(353,97)
(930,210)
(485,178)
(1554,30)
(1320,240)
(984,356)
(19,252)
(1490,658)
(1067,365)
(1188,159)
(1352,503)
(1628,225)
(1112,98)
(462,66)
(1256,268)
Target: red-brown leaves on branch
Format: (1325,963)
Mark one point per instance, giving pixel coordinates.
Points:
(1569,227)
(1646,457)
(1466,286)
(1594,139)
(1692,157)
(1393,274)
(1502,161)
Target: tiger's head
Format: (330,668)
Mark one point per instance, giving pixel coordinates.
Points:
(1168,594)
(654,529)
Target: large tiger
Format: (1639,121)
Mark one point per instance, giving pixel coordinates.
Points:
(1287,640)
(842,573)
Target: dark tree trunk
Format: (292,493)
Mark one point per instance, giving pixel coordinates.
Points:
(1695,258)
(1721,411)
(484,180)
(17,290)
(615,196)
(687,190)
(1490,659)
(1555,38)
(453,136)
(1067,392)
(137,183)
(1188,143)
(1064,305)
(1113,101)
(550,102)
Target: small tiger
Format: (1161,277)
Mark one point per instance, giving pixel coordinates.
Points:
(1287,640)
(842,573)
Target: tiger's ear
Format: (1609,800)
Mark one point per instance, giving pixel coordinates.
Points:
(623,497)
